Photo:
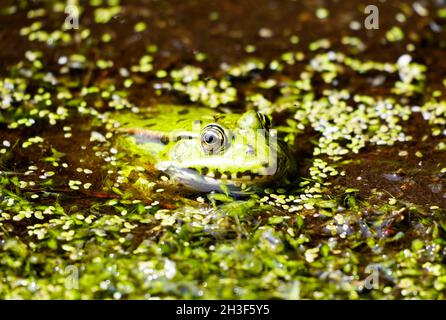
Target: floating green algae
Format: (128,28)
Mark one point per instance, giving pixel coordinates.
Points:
(364,218)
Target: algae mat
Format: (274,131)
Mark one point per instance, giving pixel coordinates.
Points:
(362,108)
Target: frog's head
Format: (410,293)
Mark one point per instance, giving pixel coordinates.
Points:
(228,152)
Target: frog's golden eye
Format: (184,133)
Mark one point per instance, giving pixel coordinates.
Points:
(266,121)
(213,139)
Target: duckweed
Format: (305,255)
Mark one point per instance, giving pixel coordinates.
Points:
(80,219)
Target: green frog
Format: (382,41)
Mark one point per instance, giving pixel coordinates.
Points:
(204,150)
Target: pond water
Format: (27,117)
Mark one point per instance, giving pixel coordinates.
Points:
(363,112)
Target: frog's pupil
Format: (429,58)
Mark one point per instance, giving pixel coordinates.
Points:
(209,138)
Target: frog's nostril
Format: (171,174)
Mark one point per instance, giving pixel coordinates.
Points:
(250,150)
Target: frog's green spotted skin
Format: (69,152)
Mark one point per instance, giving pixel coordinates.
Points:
(204,150)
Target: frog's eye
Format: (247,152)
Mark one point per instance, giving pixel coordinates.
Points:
(213,139)
(266,121)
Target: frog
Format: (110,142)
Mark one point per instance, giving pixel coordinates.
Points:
(204,150)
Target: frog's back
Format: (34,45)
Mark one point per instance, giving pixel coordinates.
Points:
(163,119)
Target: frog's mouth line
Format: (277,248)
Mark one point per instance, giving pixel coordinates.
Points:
(207,180)
(237,178)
